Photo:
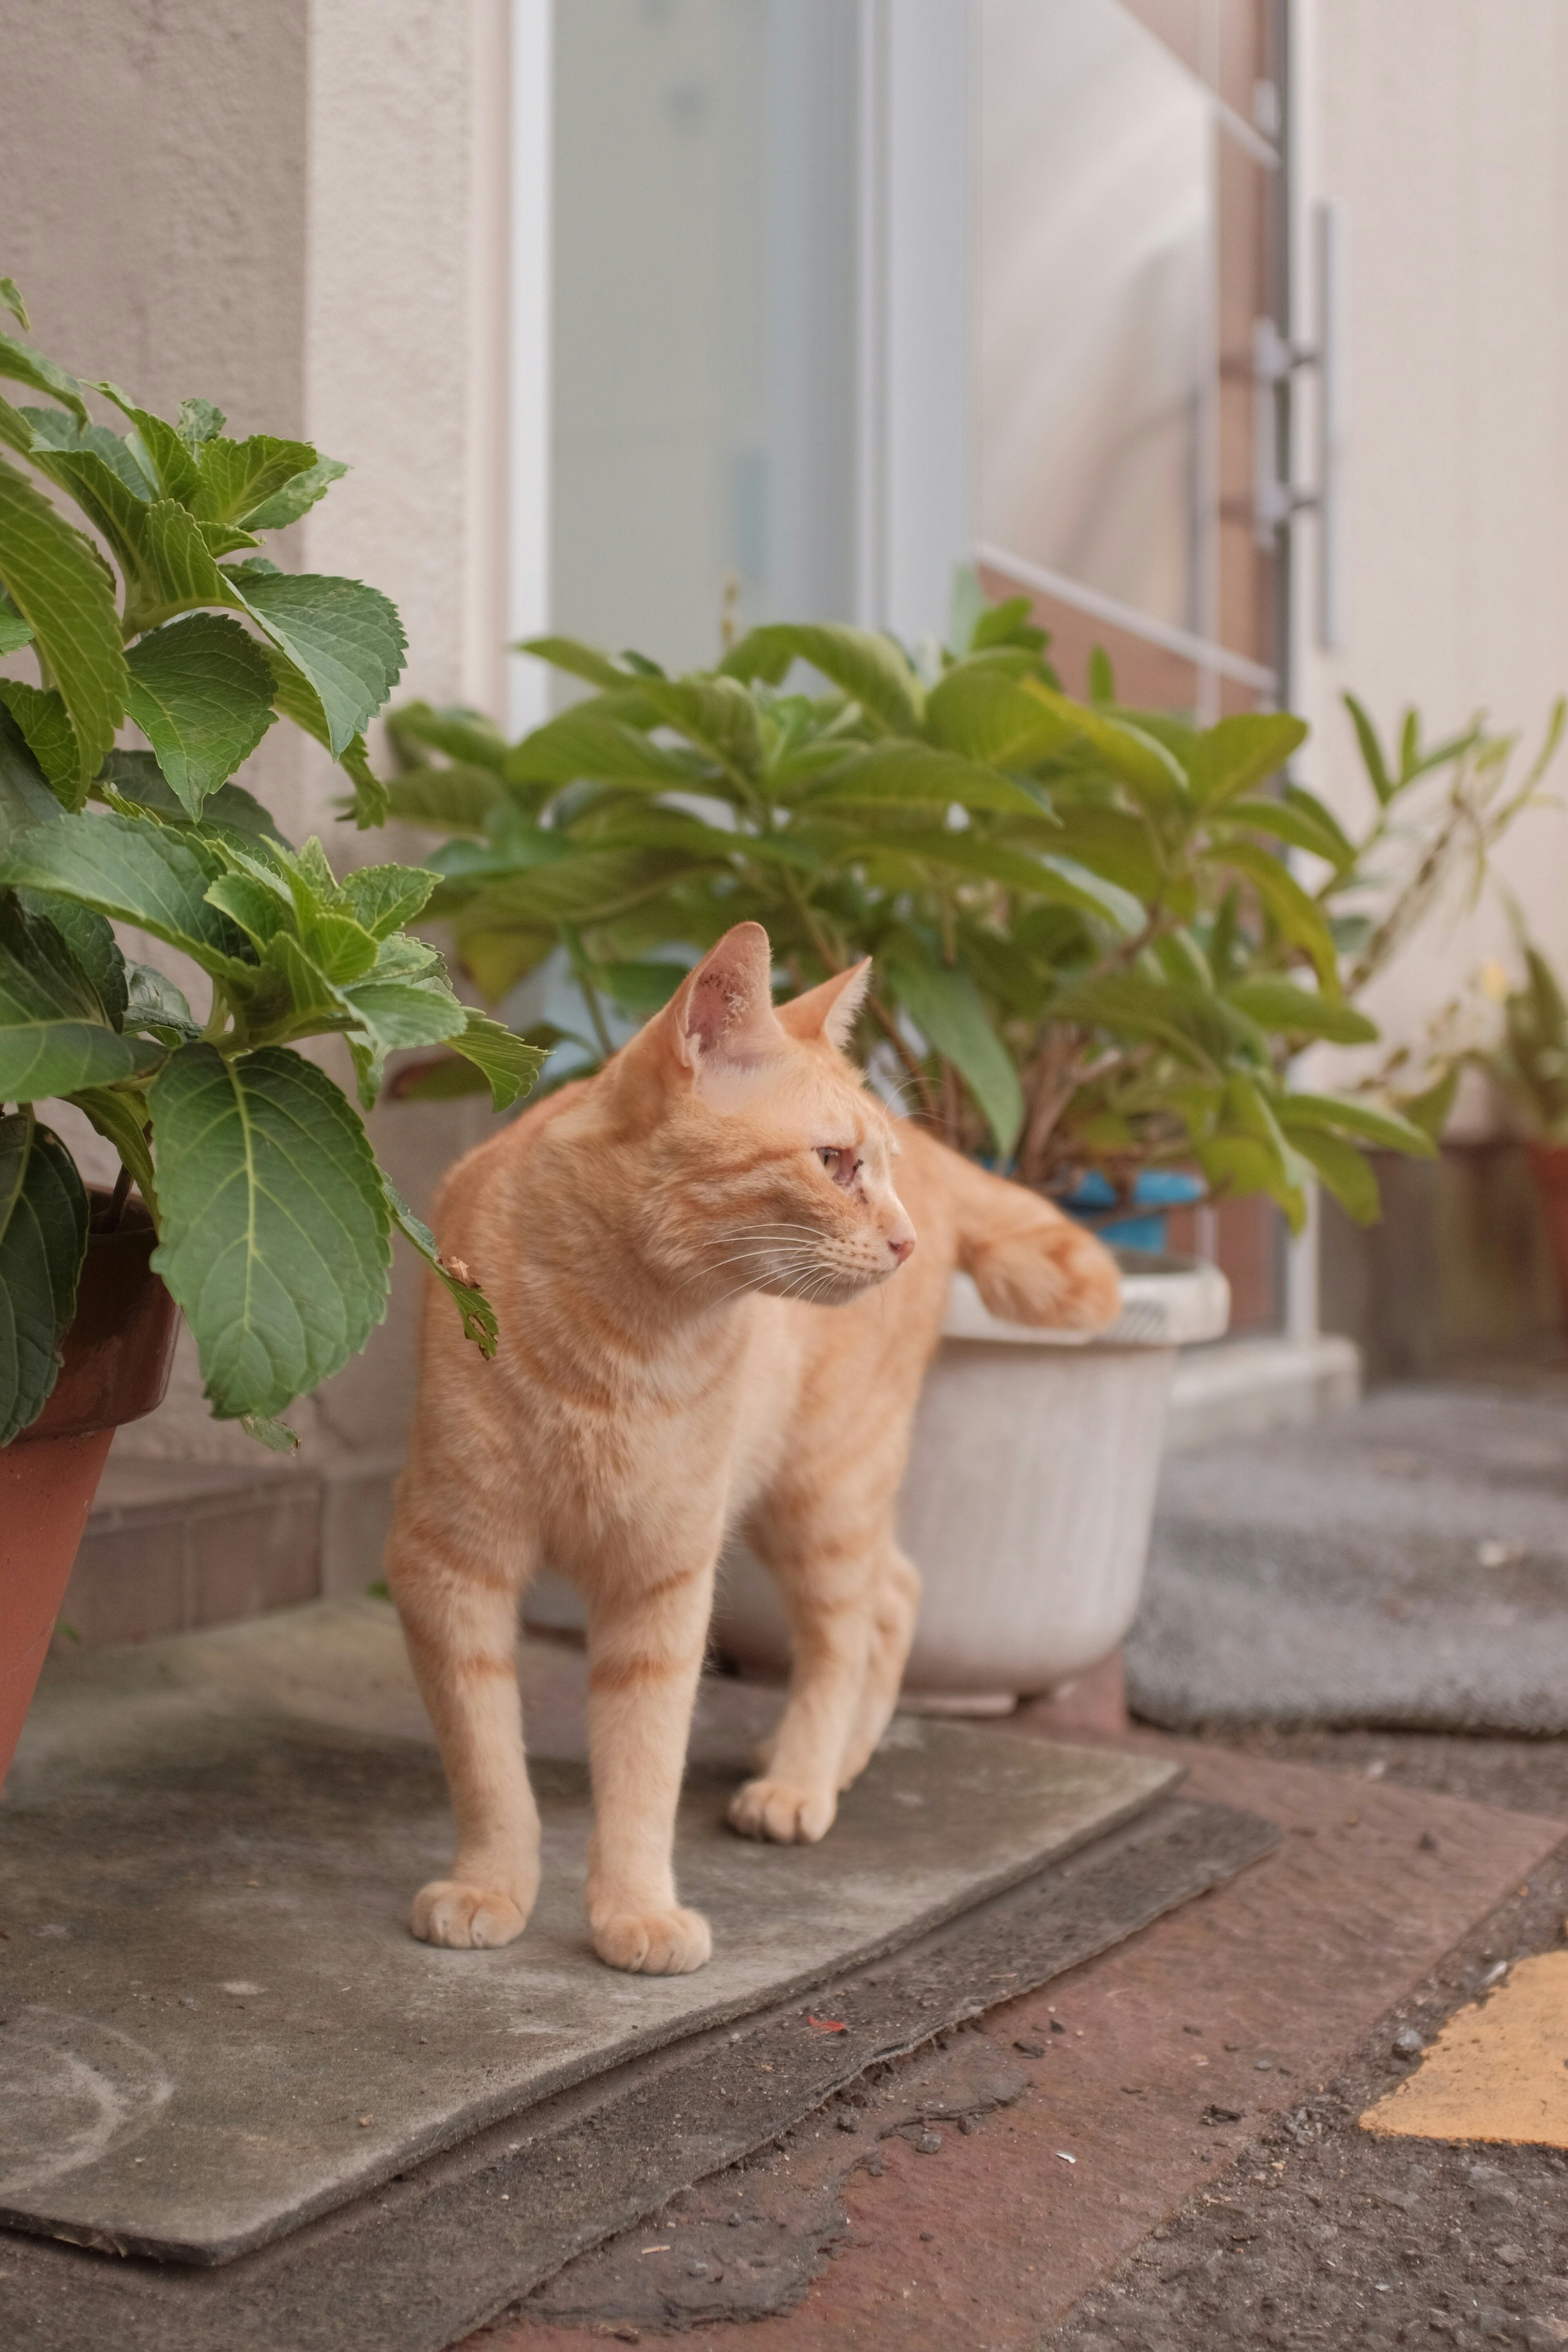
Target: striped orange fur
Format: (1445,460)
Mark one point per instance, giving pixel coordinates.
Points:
(692,1256)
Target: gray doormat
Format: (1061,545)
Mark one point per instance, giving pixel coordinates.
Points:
(1404,1566)
(216,2025)
(471,2234)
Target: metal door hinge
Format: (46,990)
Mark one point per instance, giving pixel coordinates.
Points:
(1277,362)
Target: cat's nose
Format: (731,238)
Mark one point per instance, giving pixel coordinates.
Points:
(900,1244)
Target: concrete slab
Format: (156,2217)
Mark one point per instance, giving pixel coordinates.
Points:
(217,2024)
(448,2245)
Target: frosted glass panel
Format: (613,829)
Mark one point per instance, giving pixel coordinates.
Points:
(703,317)
(1095,265)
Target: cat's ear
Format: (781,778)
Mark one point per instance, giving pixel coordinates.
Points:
(724,1012)
(829,1010)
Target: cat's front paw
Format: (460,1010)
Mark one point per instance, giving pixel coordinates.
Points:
(790,1816)
(654,1943)
(467,1918)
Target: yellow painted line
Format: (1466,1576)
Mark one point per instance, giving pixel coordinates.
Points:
(1499,2068)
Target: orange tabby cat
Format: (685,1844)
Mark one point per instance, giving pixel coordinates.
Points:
(686,1253)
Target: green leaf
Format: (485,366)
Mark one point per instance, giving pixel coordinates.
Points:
(984,712)
(15,632)
(950,1012)
(594,887)
(61,588)
(1284,1009)
(122,1120)
(1429,1109)
(1285,822)
(20,363)
(41,714)
(479,1316)
(201,692)
(590,744)
(1190,1021)
(1060,881)
(153,1002)
(1301,919)
(456,799)
(509,1064)
(55,1034)
(577,659)
(918,772)
(1101,677)
(199,421)
(298,700)
(315,1004)
(462,735)
(443,1077)
(1229,758)
(11,296)
(169,464)
(91,943)
(275,1435)
(231,812)
(275,1225)
(344,637)
(43,1241)
(24,795)
(1122,848)
(297,496)
(258,911)
(57,433)
(234,477)
(1235,1165)
(870,668)
(169,566)
(133,871)
(1343,1169)
(382,899)
(397,1014)
(715,714)
(1125,750)
(1388,1128)
(1373,760)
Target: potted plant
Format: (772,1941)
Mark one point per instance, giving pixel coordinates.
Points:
(1530,1064)
(1092,962)
(262,1213)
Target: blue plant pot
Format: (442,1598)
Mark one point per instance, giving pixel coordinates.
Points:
(1156,1190)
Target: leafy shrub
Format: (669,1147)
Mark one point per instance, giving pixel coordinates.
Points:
(1090,954)
(274,1218)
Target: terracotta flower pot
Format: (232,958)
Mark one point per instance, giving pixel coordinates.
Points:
(1549,1166)
(116,1363)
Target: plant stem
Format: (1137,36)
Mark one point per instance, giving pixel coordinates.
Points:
(117,1201)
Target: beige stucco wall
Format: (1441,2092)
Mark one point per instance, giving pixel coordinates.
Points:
(1443,124)
(297,210)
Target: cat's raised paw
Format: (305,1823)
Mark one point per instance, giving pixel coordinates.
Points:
(774,1809)
(654,1943)
(475,1919)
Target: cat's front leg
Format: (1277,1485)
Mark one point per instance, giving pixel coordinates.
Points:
(455,1579)
(647,1632)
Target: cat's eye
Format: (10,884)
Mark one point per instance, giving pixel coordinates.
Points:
(842,1163)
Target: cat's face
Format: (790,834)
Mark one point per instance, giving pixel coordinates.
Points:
(770,1167)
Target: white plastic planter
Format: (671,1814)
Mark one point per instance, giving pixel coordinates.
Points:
(1029,1495)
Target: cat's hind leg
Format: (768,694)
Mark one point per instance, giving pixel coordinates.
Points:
(454,1567)
(825,1564)
(897,1606)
